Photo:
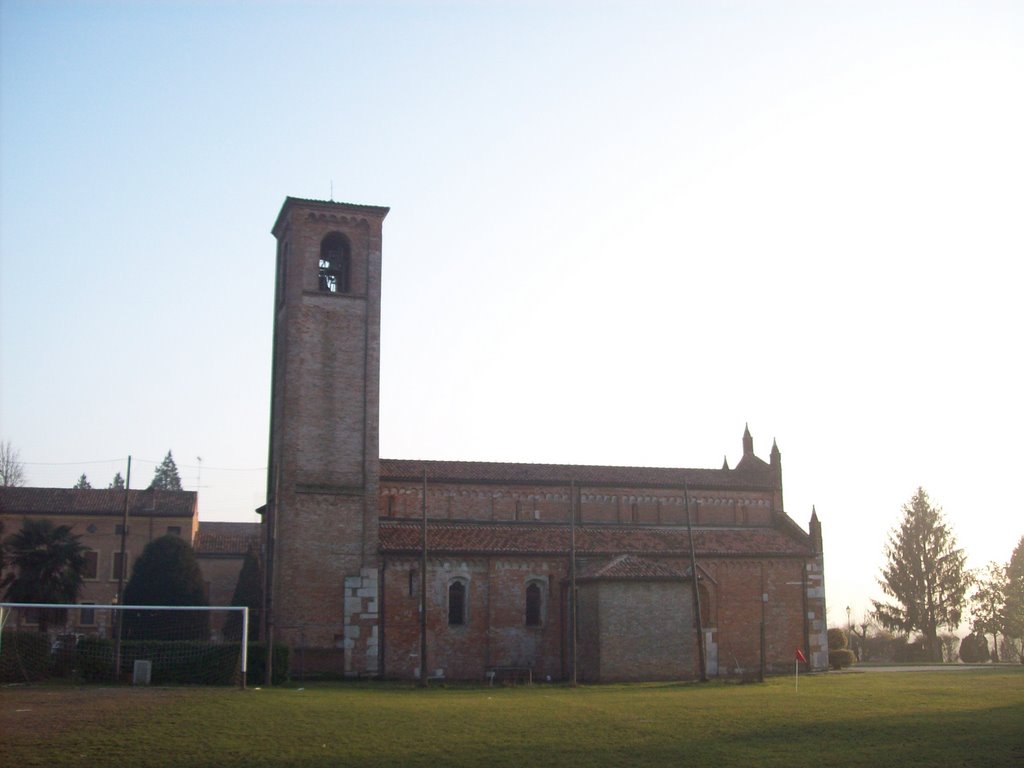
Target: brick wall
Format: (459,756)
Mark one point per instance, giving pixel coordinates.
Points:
(323,489)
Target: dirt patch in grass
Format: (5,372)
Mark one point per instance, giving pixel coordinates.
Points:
(35,715)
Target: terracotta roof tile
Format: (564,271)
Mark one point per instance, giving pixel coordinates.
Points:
(95,501)
(630,568)
(755,474)
(538,538)
(221,538)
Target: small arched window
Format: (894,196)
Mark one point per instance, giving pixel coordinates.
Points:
(534,605)
(456,604)
(335,256)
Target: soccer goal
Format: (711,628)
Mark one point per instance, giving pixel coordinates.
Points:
(110,644)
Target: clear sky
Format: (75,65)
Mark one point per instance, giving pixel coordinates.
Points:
(619,232)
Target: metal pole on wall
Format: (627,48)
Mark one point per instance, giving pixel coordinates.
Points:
(423,585)
(696,590)
(572,581)
(268,579)
(118,620)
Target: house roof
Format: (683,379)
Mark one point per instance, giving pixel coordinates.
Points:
(630,568)
(31,502)
(227,539)
(751,474)
(515,538)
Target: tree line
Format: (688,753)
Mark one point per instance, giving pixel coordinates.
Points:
(930,589)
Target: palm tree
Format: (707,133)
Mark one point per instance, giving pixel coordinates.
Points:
(48,561)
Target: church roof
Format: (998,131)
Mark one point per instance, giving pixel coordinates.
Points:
(514,538)
(32,502)
(751,474)
(630,568)
(226,538)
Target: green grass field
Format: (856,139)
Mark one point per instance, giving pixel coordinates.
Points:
(954,718)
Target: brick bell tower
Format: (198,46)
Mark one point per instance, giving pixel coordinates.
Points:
(320,523)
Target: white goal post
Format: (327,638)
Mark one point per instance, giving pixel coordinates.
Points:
(208,643)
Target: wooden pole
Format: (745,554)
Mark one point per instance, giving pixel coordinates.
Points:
(423,586)
(696,590)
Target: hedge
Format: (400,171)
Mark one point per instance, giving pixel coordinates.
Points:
(24,656)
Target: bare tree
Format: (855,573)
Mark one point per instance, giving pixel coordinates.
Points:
(12,472)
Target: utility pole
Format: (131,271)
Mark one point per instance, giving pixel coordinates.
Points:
(119,600)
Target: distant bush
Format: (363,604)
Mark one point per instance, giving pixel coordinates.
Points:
(257,664)
(841,657)
(837,639)
(911,652)
(974,649)
(24,657)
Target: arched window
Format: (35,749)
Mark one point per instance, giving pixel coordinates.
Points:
(334,264)
(456,604)
(534,605)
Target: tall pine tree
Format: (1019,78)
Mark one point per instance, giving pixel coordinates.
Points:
(83,482)
(117,483)
(925,575)
(166,477)
(1013,617)
(248,591)
(166,573)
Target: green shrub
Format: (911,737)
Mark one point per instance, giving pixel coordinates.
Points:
(974,649)
(911,652)
(841,657)
(837,639)
(24,657)
(257,664)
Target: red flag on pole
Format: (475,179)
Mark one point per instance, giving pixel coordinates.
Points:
(800,656)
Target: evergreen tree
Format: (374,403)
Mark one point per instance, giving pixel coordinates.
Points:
(166,477)
(989,605)
(117,483)
(1013,616)
(47,564)
(83,482)
(925,575)
(166,573)
(248,591)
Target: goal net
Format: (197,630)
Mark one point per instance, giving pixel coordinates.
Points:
(110,644)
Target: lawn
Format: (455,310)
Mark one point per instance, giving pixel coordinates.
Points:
(959,717)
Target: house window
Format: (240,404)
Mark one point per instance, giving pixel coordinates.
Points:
(456,604)
(174,530)
(117,567)
(90,570)
(414,582)
(119,529)
(86,616)
(534,605)
(334,264)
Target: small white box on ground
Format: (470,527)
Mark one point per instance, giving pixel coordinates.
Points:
(142,672)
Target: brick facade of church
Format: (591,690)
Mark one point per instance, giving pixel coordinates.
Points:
(344,530)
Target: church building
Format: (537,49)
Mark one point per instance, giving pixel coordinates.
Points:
(402,568)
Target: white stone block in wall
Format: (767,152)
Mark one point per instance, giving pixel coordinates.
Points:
(352,582)
(351,631)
